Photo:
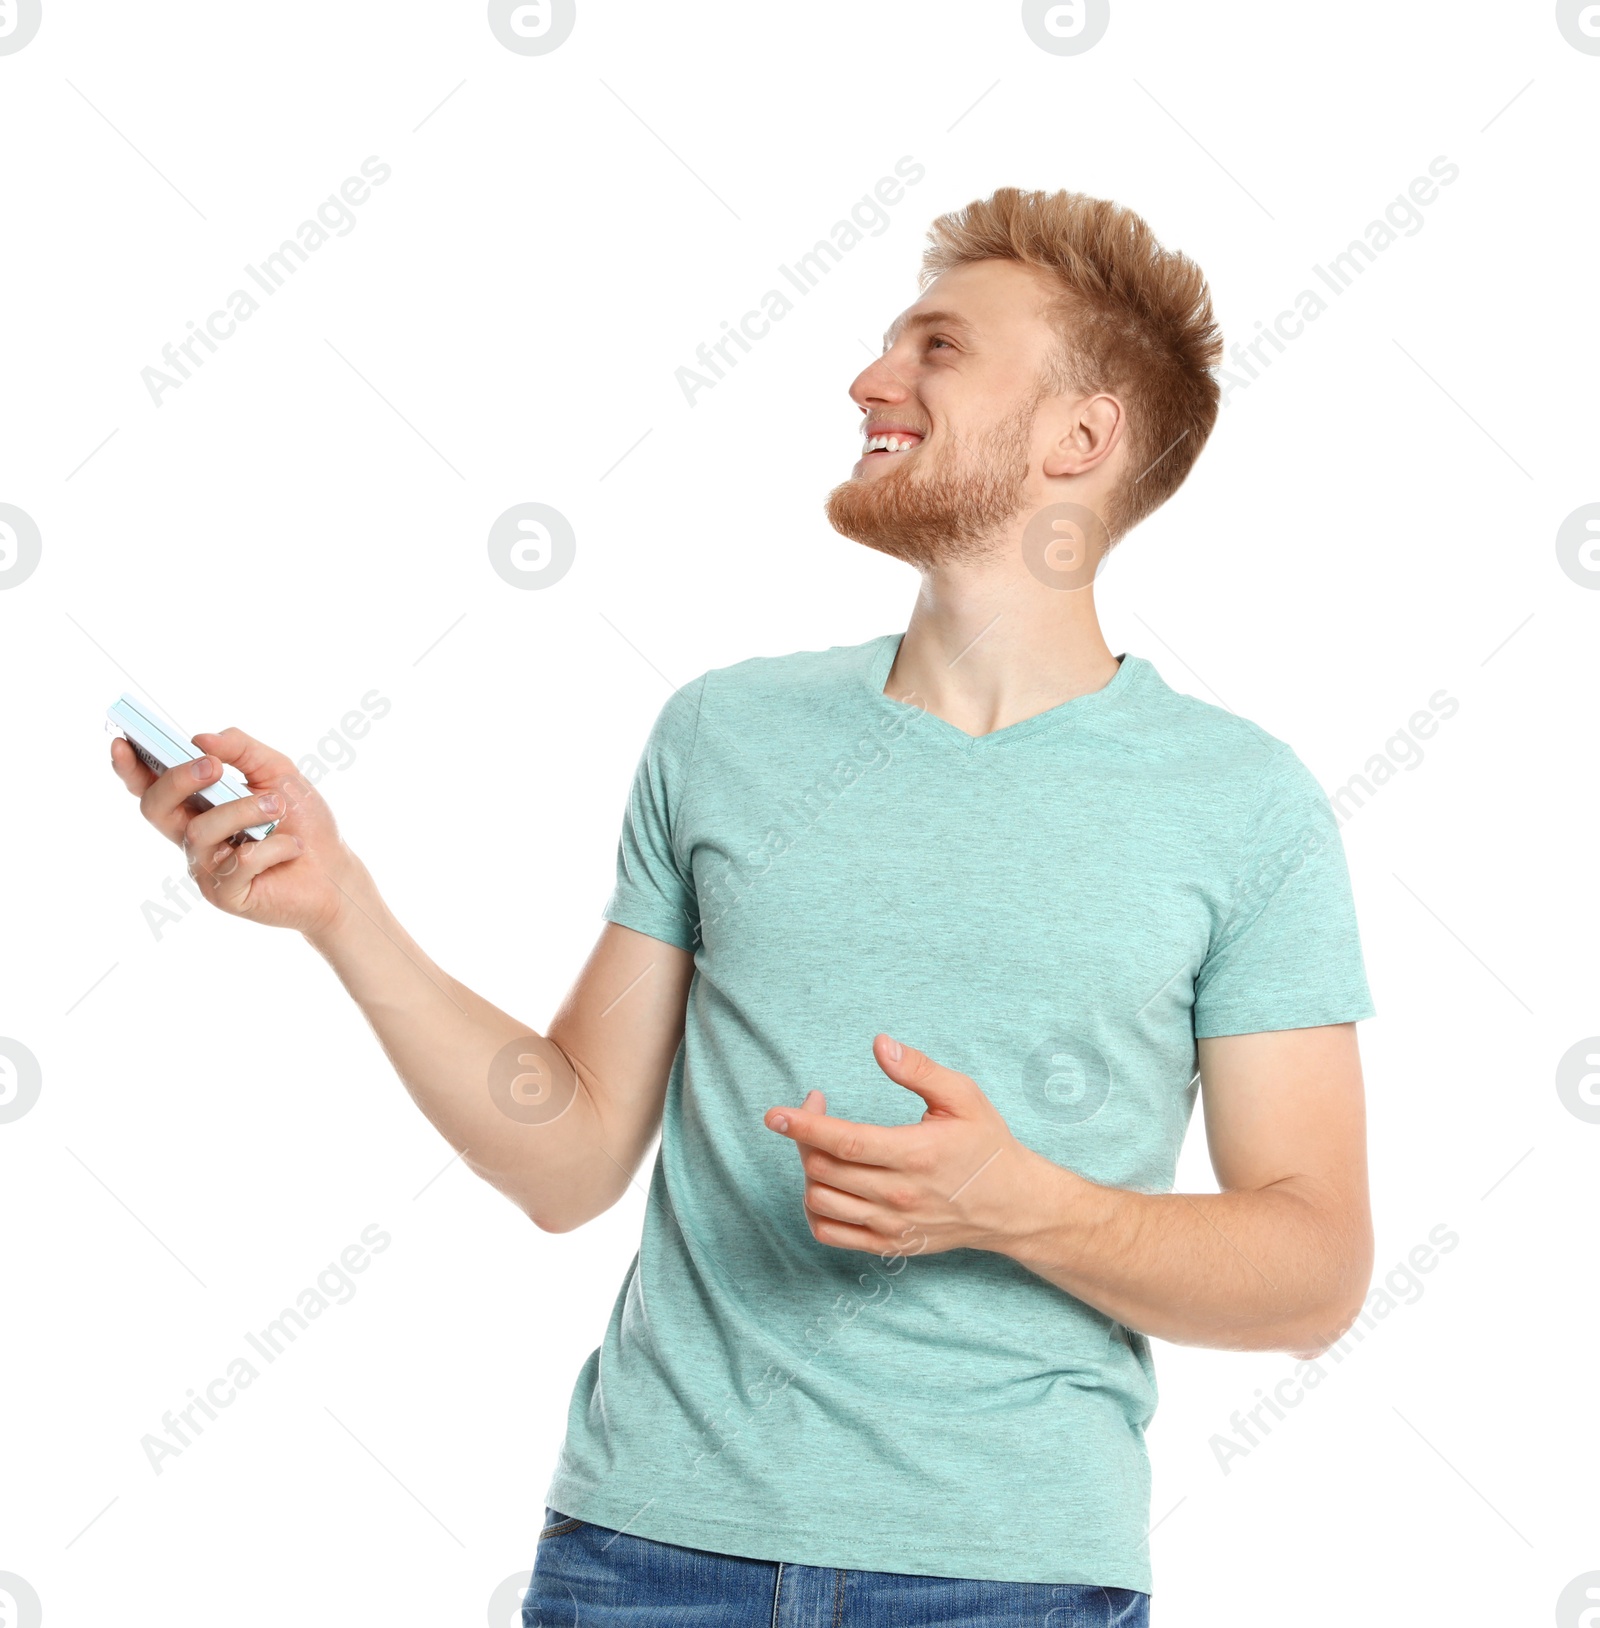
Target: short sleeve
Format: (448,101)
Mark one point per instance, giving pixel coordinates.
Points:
(1288,954)
(654,890)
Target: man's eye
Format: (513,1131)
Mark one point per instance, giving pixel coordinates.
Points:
(938,339)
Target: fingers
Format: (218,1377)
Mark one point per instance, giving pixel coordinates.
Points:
(861,1181)
(844,1138)
(162,800)
(227,872)
(227,819)
(943,1089)
(129,770)
(266,771)
(259,764)
(845,1235)
(833,1205)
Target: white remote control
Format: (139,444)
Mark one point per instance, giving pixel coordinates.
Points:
(160,745)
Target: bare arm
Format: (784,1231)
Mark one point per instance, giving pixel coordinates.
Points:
(558,1122)
(1279,1260)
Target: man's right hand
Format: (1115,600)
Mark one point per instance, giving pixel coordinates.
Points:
(610,1062)
(296,878)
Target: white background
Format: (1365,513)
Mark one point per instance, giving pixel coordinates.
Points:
(304,521)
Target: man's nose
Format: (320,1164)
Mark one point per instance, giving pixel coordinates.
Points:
(878,383)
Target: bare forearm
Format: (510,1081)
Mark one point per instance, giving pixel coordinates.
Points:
(502,1095)
(1249,1270)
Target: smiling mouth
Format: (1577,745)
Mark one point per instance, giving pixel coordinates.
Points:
(891,445)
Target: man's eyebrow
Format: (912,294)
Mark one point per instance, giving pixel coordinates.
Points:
(927,319)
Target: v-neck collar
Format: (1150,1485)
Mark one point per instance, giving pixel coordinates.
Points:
(887,647)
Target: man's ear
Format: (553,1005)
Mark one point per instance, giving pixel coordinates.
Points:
(1089,430)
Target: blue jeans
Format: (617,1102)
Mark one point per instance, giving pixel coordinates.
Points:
(587,1576)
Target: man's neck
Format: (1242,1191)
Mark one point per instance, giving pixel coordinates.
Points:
(989,645)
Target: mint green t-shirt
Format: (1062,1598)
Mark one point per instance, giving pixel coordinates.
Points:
(1058,909)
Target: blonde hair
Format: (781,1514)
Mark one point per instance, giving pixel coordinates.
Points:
(1134,320)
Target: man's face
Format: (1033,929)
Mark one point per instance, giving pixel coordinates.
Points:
(956,388)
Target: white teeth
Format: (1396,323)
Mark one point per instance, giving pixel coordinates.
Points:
(888,443)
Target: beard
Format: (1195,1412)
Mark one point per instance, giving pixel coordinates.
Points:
(954,510)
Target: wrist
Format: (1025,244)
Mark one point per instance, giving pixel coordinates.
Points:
(1051,1210)
(354,906)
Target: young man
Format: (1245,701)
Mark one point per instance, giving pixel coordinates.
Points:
(918,954)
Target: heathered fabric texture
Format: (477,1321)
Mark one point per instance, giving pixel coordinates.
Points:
(1058,909)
